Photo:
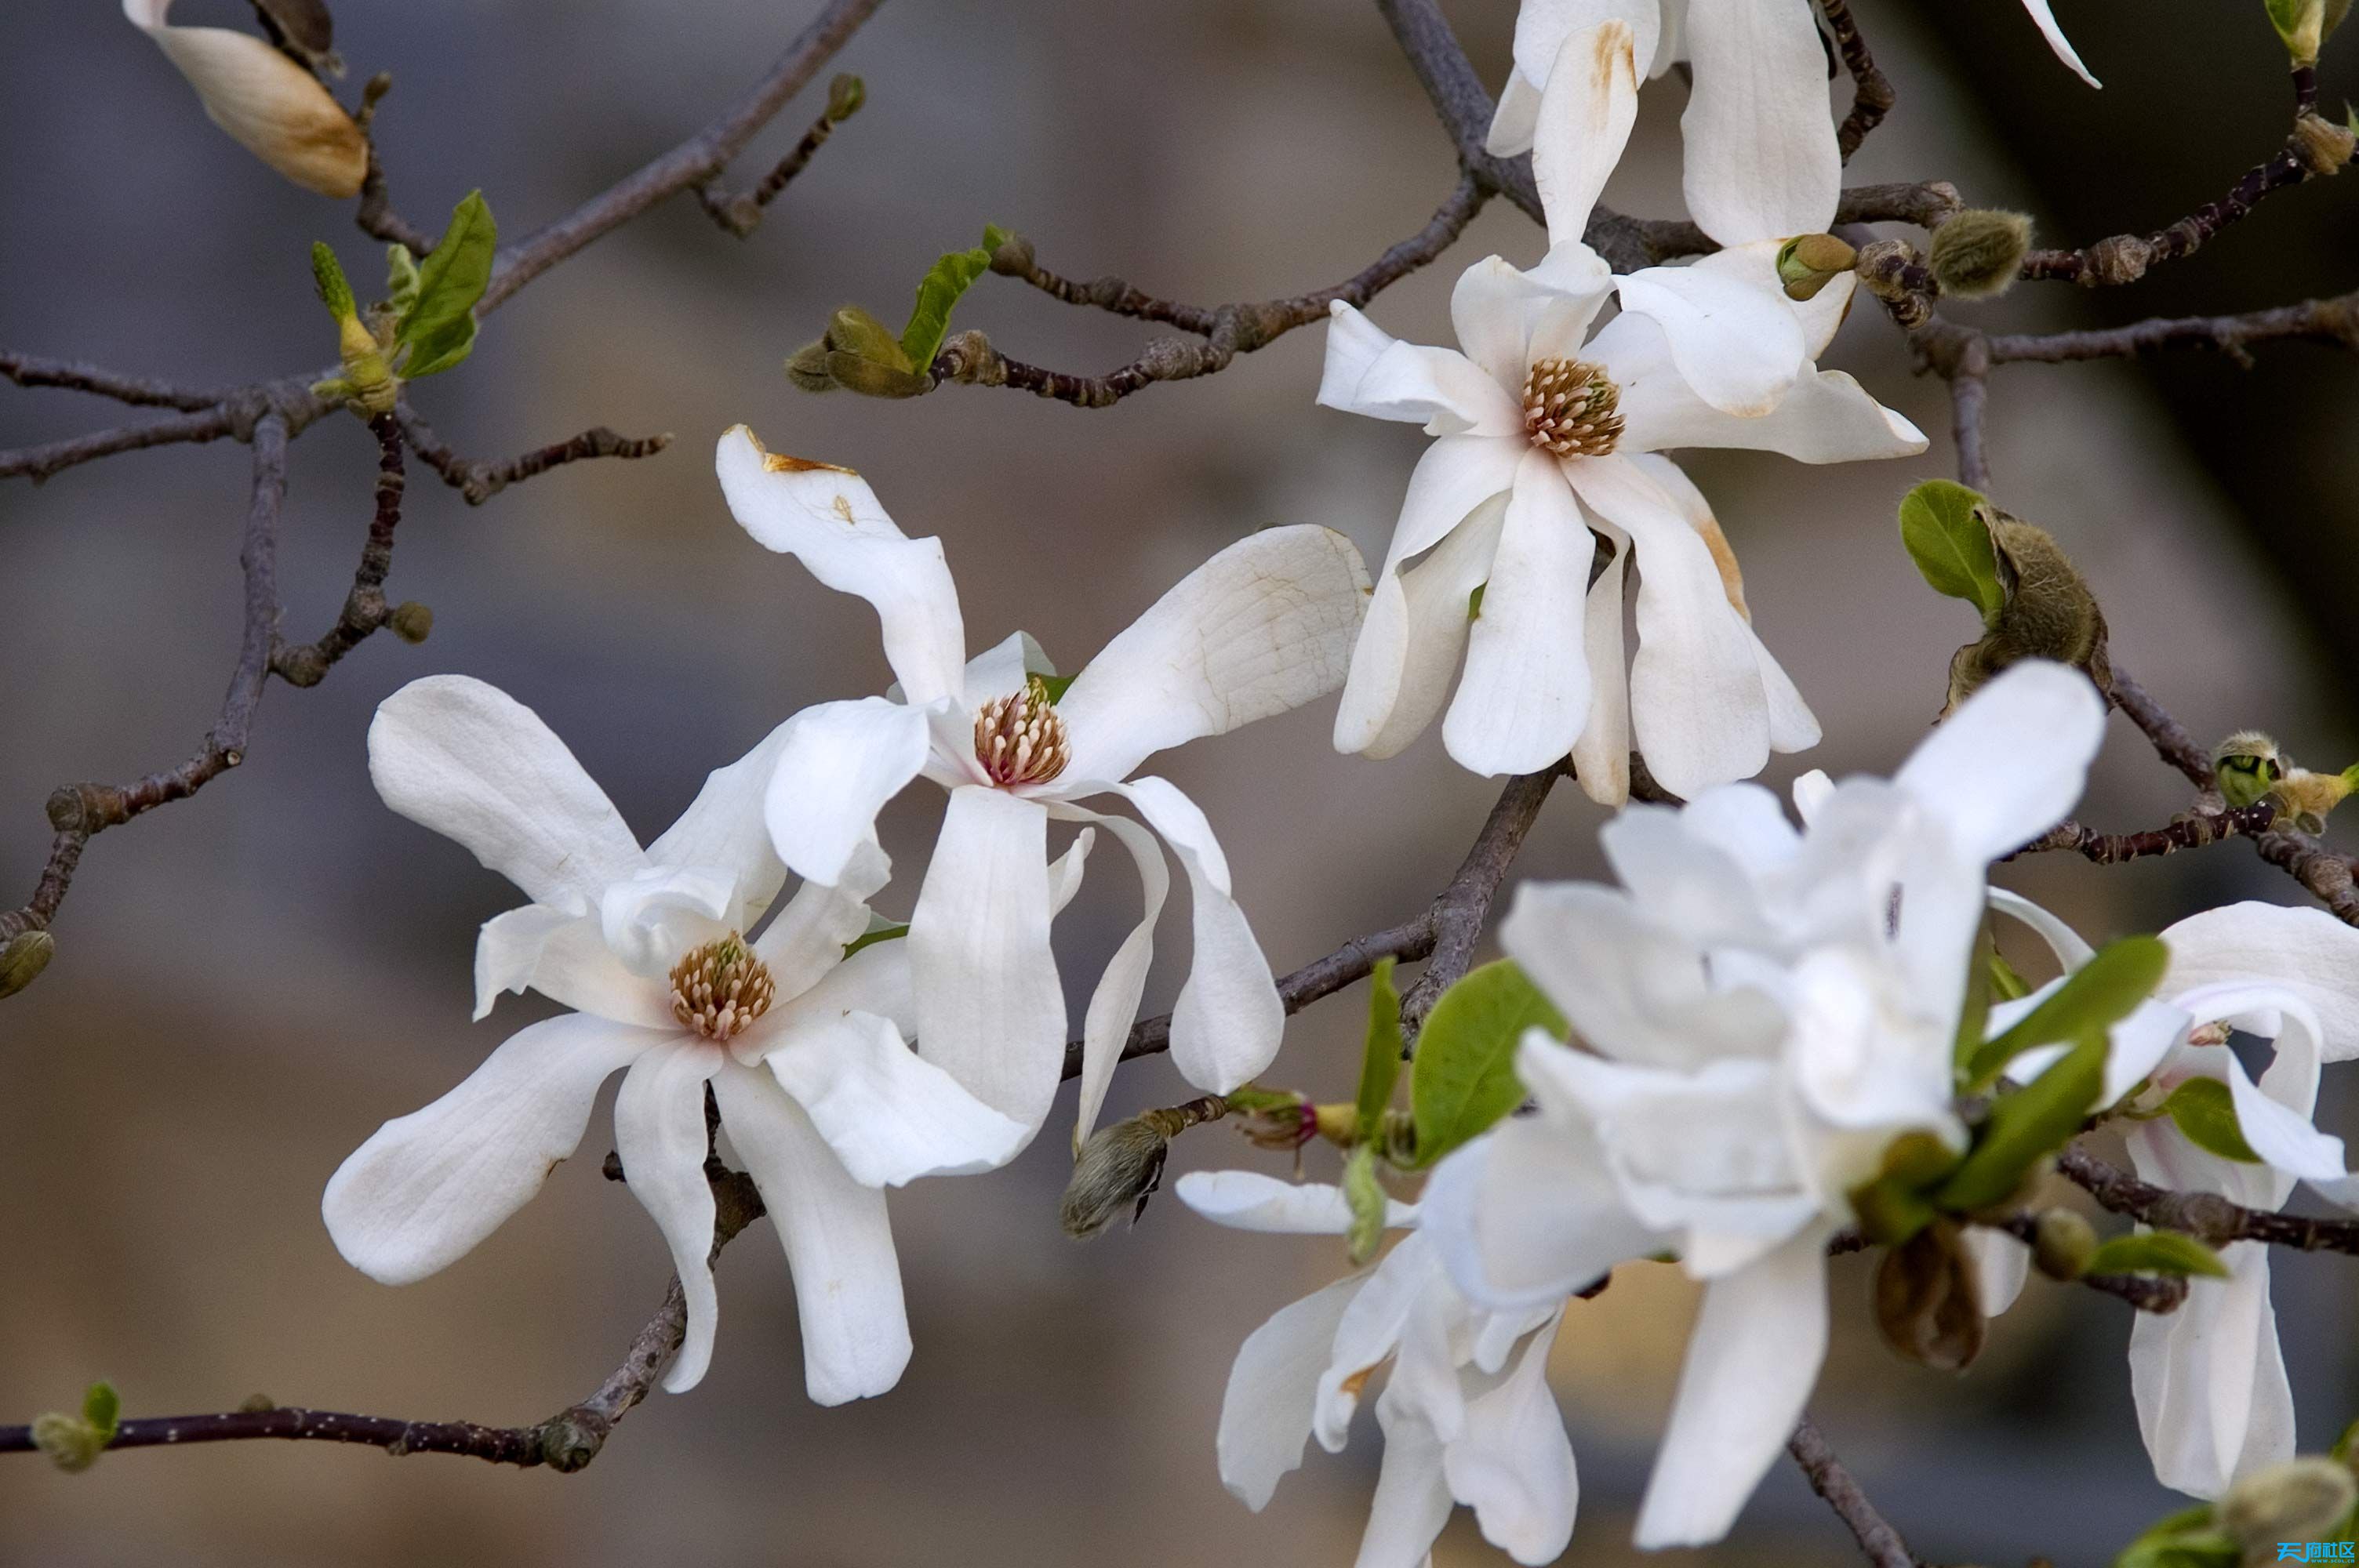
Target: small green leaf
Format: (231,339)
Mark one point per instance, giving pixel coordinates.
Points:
(1464,1077)
(2156,1253)
(2006,984)
(2206,1113)
(2094,997)
(400,280)
(1951,544)
(439,328)
(1890,1211)
(102,1408)
(1366,1197)
(1055,686)
(1475,601)
(2041,1117)
(1380,1062)
(871,937)
(328,277)
(937,292)
(2183,1540)
(2300,25)
(2340,1451)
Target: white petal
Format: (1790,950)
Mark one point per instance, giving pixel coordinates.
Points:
(1065,871)
(1761,160)
(1756,264)
(1517,116)
(1266,1409)
(2213,1400)
(272,106)
(1228,1021)
(837,765)
(508,948)
(2307,951)
(574,967)
(1525,694)
(2274,1115)
(1698,710)
(1369,372)
(1587,106)
(1001,670)
(2011,762)
(1542,26)
(1601,758)
(1813,790)
(1738,346)
(1262,627)
(838,1238)
(2045,19)
(1412,1500)
(1114,1001)
(1249,1200)
(2062,940)
(1824,417)
(474,764)
(659,1133)
(990,1011)
(2001,1264)
(806,942)
(652,916)
(1416,630)
(722,829)
(829,519)
(427,1186)
(1528,1214)
(1508,320)
(1370,1331)
(1514,1465)
(890,1116)
(1750,1363)
(875,981)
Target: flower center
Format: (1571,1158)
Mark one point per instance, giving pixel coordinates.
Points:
(720,988)
(1019,738)
(1569,408)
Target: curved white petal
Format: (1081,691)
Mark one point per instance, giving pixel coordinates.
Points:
(1525,694)
(1114,1001)
(273,107)
(838,1238)
(1825,416)
(1528,1214)
(2012,761)
(2044,17)
(1412,1500)
(2213,1400)
(1369,372)
(1587,106)
(474,764)
(2070,951)
(875,981)
(1756,264)
(1542,26)
(889,1115)
(1739,347)
(1416,630)
(1266,1409)
(1370,1332)
(1004,667)
(838,764)
(659,1133)
(829,519)
(1761,160)
(806,942)
(1249,1200)
(1262,627)
(722,829)
(1507,320)
(1513,1464)
(1517,115)
(508,948)
(2306,951)
(990,1010)
(1751,1360)
(427,1186)
(2001,1266)
(652,916)
(1601,758)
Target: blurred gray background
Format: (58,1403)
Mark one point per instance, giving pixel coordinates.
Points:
(249,982)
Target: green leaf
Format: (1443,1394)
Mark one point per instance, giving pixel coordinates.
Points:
(439,328)
(937,292)
(2183,1540)
(2156,1253)
(1889,1211)
(2006,984)
(871,937)
(2023,1126)
(1951,544)
(102,1408)
(1973,1013)
(2094,997)
(1055,686)
(2340,1451)
(328,277)
(400,280)
(2206,1112)
(1464,1077)
(2300,25)
(1475,601)
(1380,1062)
(1366,1197)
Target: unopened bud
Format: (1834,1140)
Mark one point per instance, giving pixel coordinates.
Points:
(2300,1499)
(2047,612)
(328,277)
(25,957)
(2302,25)
(2063,1243)
(861,354)
(1012,257)
(1808,263)
(845,94)
(2247,766)
(808,368)
(1928,1302)
(1114,1174)
(2323,145)
(2308,797)
(72,1443)
(1977,252)
(411,622)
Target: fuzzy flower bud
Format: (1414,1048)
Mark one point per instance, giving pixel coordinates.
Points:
(2247,766)
(2300,1499)
(25,957)
(2323,145)
(1808,263)
(1975,254)
(1118,1169)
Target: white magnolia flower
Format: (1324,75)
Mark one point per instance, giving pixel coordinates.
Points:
(802,1046)
(1262,627)
(273,108)
(1545,440)
(2212,1400)
(1466,1417)
(1763,1011)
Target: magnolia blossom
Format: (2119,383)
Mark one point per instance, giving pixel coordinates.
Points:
(1546,438)
(2213,1400)
(802,1045)
(1467,1417)
(1260,628)
(273,108)
(1764,1011)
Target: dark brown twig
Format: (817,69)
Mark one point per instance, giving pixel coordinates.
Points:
(1872,93)
(364,611)
(479,480)
(2335,320)
(2126,258)
(741,213)
(1878,1540)
(2207,1217)
(2191,831)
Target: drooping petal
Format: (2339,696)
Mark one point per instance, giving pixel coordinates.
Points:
(1601,758)
(1824,417)
(508,948)
(1114,1001)
(2002,1264)
(659,1133)
(1410,644)
(2044,17)
(1514,1466)
(723,830)
(1249,1200)
(2214,1402)
(472,763)
(1266,1409)
(1751,1360)
(1525,694)
(837,767)
(1412,1500)
(1372,372)
(427,1186)
(889,1115)
(829,519)
(1370,1331)
(1517,115)
(1739,347)
(2307,951)
(1528,1214)
(1587,106)
(990,1010)
(2011,762)
(270,105)
(1262,627)
(1761,160)
(1541,27)
(838,1238)
(2070,951)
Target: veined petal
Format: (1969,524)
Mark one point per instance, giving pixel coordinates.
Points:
(1751,1360)
(659,1133)
(1415,630)
(837,767)
(1740,348)
(1369,372)
(990,1010)
(1249,1200)
(1601,758)
(270,105)
(472,763)
(1588,103)
(1262,627)
(1506,321)
(1114,1001)
(1512,1466)
(1525,694)
(1412,1500)
(1761,160)
(889,1115)
(1266,1409)
(2044,17)
(1824,417)
(838,1238)
(2012,761)
(829,519)
(722,829)
(2213,1400)
(2306,951)
(574,967)
(427,1186)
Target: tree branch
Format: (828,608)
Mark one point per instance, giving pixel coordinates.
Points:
(2207,1217)
(38,463)
(31,370)
(364,607)
(1878,1540)
(2125,258)
(2335,320)
(2192,831)
(479,480)
(1872,93)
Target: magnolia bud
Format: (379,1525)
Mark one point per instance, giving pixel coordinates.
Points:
(1808,263)
(1977,252)
(2047,612)
(25,957)
(72,1443)
(2062,1244)
(2302,25)
(2323,145)
(808,368)
(2308,797)
(271,105)
(411,622)
(861,354)
(2300,1499)
(1927,1301)
(2247,766)
(845,94)
(1115,1171)
(1013,256)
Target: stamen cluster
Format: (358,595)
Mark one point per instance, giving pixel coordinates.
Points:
(718,988)
(1019,738)
(1569,408)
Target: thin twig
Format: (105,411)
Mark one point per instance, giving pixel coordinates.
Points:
(1458,913)
(479,480)
(32,369)
(2192,831)
(741,213)
(2207,1217)
(1878,1540)
(1872,93)
(38,463)
(364,611)
(2125,258)
(2171,741)
(2335,320)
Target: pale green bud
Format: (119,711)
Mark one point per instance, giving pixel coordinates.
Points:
(2300,1499)
(845,94)
(1808,263)
(1977,252)
(25,957)
(2247,766)
(411,622)
(2063,1244)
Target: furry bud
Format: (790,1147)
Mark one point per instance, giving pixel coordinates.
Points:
(1119,1167)
(1975,254)
(2300,1499)
(1808,263)
(2047,612)
(24,958)
(2247,766)
(2323,145)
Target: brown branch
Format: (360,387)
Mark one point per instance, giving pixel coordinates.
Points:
(31,370)
(1459,912)
(741,214)
(2171,741)
(1871,94)
(2125,258)
(2157,1293)
(2335,320)
(306,664)
(2207,1217)
(38,463)
(1968,397)
(479,480)
(1878,1540)
(2326,873)
(2189,831)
